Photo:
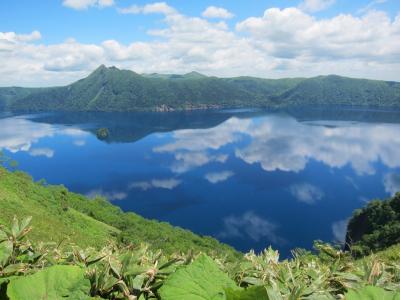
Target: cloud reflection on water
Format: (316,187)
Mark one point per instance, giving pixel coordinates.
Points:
(250,225)
(20,134)
(282,143)
(307,193)
(391,182)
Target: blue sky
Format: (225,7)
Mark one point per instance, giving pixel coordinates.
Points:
(55,42)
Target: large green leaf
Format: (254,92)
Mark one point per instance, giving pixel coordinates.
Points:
(252,293)
(372,293)
(57,282)
(6,250)
(201,280)
(3,236)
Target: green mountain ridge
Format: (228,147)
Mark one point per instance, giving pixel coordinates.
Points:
(112,89)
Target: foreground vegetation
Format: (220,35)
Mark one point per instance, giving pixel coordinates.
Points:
(58,271)
(111,89)
(77,248)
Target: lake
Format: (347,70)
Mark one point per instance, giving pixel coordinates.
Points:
(246,177)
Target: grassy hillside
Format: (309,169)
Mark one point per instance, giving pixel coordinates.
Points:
(61,215)
(111,89)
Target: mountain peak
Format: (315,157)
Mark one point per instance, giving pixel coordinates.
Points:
(101,67)
(194,74)
(104,72)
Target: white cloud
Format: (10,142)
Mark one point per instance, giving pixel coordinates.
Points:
(153,8)
(217,13)
(217,177)
(85,4)
(250,225)
(339,230)
(280,43)
(13,37)
(292,34)
(307,193)
(111,196)
(315,5)
(47,152)
(168,184)
(391,182)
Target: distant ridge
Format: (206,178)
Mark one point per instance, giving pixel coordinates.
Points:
(112,89)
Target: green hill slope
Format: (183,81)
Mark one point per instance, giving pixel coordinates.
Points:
(337,90)
(111,89)
(61,215)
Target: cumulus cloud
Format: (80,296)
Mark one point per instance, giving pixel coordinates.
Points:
(47,152)
(250,225)
(217,13)
(315,5)
(391,182)
(111,196)
(168,184)
(85,4)
(307,193)
(339,230)
(217,177)
(14,37)
(291,33)
(279,43)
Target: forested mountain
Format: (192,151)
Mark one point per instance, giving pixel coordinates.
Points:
(336,90)
(111,89)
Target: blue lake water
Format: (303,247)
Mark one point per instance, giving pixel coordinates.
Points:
(248,178)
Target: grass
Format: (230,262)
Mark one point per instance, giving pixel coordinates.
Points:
(21,197)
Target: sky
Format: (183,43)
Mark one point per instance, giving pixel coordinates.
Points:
(55,42)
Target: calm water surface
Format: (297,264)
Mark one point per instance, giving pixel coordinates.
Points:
(248,178)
